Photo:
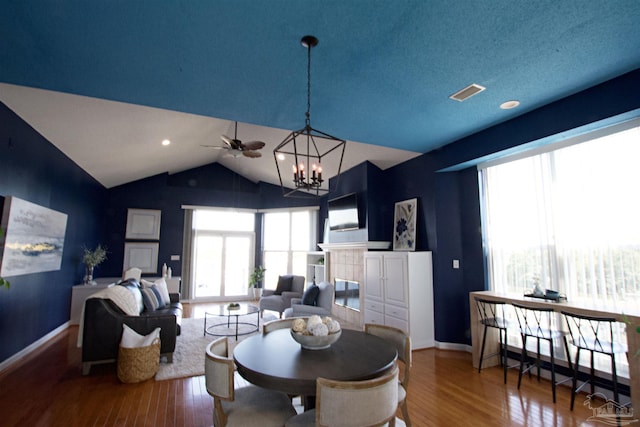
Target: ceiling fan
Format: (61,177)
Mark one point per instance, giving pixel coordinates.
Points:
(237,148)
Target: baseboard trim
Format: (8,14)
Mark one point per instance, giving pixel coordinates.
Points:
(453,346)
(14,361)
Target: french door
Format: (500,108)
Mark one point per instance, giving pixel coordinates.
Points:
(221,264)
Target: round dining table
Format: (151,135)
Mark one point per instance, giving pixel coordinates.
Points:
(276,361)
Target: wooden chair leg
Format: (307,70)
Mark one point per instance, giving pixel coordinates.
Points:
(405,413)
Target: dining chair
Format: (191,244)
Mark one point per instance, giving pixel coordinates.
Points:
(274,325)
(538,322)
(367,403)
(492,315)
(596,335)
(245,406)
(402,342)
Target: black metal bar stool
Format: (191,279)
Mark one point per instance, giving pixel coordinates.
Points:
(492,316)
(596,335)
(537,322)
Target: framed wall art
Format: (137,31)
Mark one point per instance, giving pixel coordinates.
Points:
(33,239)
(404,225)
(143,224)
(141,255)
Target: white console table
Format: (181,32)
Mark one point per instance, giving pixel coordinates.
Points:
(79,293)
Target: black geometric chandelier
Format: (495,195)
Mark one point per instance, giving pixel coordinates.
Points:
(307,150)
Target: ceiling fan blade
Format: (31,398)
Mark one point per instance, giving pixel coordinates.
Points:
(252,154)
(253,145)
(228,141)
(217,147)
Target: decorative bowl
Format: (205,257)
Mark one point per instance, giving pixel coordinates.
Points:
(312,342)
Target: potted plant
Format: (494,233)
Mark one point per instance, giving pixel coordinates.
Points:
(255,281)
(92,258)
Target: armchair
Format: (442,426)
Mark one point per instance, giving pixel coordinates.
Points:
(279,299)
(323,306)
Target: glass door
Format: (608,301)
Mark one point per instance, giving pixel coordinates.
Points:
(222,262)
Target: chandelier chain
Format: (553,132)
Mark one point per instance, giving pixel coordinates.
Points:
(308,113)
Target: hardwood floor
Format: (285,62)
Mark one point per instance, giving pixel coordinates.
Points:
(47,389)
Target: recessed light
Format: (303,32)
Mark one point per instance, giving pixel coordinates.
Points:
(166,142)
(509,105)
(280,156)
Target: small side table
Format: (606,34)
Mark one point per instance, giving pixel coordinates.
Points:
(231,326)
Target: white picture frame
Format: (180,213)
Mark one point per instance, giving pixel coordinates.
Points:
(404,225)
(143,224)
(143,255)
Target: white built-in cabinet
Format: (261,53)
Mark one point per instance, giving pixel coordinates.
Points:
(315,266)
(398,292)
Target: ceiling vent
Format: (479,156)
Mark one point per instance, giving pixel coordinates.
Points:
(467,92)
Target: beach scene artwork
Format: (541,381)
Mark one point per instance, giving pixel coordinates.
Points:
(33,240)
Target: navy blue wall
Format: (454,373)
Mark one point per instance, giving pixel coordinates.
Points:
(32,169)
(211,185)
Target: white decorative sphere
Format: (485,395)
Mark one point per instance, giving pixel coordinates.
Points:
(299,325)
(319,330)
(333,326)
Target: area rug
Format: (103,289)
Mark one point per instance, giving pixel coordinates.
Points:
(188,357)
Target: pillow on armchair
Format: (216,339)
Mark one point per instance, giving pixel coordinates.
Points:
(284,285)
(310,296)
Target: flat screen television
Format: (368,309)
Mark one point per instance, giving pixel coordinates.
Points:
(343,213)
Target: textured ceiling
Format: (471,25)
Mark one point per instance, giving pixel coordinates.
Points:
(381,74)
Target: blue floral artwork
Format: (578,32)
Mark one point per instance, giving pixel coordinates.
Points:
(404,225)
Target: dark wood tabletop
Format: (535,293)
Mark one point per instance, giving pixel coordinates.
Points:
(276,361)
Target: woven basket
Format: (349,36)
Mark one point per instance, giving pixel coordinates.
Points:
(138,364)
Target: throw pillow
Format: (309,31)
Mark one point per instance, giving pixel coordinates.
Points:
(159,297)
(161,284)
(284,285)
(150,299)
(310,296)
(164,290)
(132,339)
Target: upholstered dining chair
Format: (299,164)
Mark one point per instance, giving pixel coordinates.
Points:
(366,403)
(246,406)
(402,343)
(274,325)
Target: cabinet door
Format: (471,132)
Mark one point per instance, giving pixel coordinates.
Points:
(373,278)
(395,274)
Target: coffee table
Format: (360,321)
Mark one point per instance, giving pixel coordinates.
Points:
(244,310)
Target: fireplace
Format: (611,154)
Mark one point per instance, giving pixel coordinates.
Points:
(347,293)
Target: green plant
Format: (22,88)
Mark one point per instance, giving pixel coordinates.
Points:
(255,280)
(91,258)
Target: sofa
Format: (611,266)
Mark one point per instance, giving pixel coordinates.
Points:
(104,315)
(321,305)
(288,287)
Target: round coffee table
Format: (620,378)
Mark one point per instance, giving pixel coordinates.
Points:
(231,327)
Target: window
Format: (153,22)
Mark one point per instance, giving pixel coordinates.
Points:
(222,258)
(288,236)
(568,219)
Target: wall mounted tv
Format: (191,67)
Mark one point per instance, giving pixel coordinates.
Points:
(343,213)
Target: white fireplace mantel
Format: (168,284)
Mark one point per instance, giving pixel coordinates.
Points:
(369,245)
